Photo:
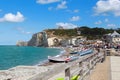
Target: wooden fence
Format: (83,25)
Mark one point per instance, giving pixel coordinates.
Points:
(77,69)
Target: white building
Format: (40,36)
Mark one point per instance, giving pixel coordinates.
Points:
(113,37)
(77,40)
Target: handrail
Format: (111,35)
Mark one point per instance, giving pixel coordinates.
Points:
(91,60)
(88,62)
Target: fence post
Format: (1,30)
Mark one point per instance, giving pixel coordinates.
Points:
(67,74)
(80,64)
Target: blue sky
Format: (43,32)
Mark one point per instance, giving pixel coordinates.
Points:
(19,19)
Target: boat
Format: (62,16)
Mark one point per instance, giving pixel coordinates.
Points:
(56,59)
(85,52)
(60,59)
(74,58)
(74,52)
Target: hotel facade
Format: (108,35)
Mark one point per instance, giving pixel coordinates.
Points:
(112,38)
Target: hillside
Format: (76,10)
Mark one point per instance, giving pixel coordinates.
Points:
(53,37)
(66,33)
(90,33)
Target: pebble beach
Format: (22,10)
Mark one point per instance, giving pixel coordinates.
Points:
(25,72)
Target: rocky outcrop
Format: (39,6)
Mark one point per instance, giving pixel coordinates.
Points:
(49,39)
(38,39)
(54,41)
(21,43)
(44,39)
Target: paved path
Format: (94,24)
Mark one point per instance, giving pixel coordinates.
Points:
(101,71)
(115,67)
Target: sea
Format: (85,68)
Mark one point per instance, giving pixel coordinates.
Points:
(12,56)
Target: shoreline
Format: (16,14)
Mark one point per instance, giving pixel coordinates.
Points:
(62,51)
(24,72)
(38,61)
(43,62)
(46,61)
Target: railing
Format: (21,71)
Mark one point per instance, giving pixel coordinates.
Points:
(112,52)
(85,66)
(77,69)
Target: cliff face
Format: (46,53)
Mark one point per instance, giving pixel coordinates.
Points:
(47,39)
(21,43)
(43,39)
(38,39)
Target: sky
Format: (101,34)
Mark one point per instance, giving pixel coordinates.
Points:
(20,19)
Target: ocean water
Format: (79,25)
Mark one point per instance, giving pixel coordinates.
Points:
(11,56)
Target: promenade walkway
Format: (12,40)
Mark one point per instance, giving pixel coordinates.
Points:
(108,70)
(101,71)
(115,67)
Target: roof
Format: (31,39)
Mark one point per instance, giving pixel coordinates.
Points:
(115,34)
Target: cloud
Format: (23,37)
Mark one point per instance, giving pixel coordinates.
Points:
(76,11)
(72,11)
(50,8)
(21,30)
(103,21)
(26,32)
(108,6)
(62,5)
(66,25)
(106,20)
(75,18)
(9,17)
(98,22)
(47,1)
(111,25)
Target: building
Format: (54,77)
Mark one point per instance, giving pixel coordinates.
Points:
(112,37)
(76,40)
(60,27)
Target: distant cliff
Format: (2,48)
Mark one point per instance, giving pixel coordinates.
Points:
(38,39)
(58,37)
(22,43)
(51,38)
